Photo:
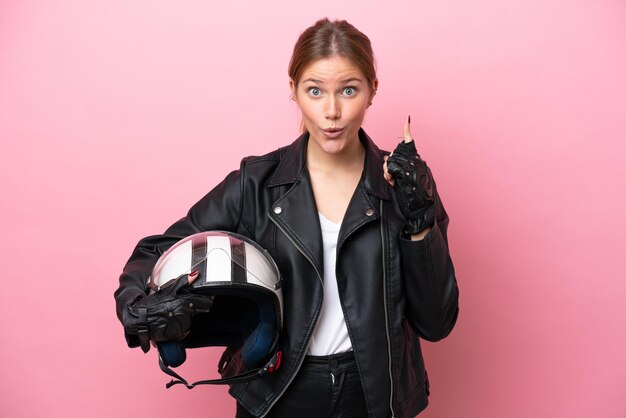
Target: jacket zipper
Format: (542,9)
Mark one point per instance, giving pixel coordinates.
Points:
(308,344)
(382,235)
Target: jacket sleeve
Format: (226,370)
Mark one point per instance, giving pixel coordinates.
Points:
(432,295)
(220,209)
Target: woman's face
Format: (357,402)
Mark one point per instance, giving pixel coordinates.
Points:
(333,95)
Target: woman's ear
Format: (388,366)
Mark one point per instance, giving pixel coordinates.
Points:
(374,90)
(292,87)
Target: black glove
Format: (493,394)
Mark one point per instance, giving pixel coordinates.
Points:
(164,315)
(413,187)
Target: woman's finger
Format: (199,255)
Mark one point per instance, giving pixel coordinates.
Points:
(407,129)
(193,276)
(386,174)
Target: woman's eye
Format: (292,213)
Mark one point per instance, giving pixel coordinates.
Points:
(314,91)
(349,91)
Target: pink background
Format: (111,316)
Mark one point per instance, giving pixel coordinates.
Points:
(116,116)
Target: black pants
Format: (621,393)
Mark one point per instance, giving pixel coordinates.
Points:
(326,386)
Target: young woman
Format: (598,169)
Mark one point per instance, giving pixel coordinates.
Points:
(358,236)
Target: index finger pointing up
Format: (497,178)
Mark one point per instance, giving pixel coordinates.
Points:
(407,130)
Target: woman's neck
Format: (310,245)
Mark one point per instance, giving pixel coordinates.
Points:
(334,177)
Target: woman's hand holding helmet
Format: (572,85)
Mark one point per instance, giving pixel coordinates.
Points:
(411,180)
(166,314)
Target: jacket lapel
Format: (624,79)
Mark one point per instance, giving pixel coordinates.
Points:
(295,211)
(372,187)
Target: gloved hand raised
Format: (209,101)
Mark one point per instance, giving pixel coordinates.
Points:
(410,177)
(166,314)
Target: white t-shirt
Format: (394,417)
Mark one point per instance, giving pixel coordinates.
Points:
(331,334)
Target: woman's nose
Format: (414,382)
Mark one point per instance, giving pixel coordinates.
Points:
(332,108)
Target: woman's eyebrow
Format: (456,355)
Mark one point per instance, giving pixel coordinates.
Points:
(347,80)
(351,79)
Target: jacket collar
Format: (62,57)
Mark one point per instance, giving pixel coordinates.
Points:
(293,163)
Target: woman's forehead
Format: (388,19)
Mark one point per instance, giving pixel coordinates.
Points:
(335,69)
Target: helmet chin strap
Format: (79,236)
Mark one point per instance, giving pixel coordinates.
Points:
(228,356)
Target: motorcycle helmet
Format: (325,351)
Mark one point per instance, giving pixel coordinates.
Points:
(247,312)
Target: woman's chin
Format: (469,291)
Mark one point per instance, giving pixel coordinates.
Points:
(333,146)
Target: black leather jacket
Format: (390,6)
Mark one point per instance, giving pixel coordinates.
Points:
(393,291)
